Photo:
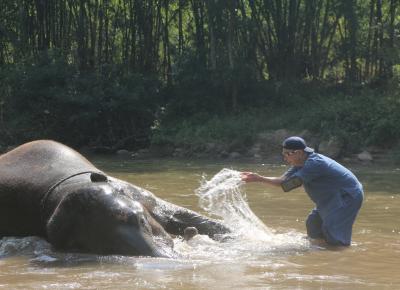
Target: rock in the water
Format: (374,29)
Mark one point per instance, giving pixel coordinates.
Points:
(365,156)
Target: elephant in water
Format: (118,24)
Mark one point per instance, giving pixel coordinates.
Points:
(49,190)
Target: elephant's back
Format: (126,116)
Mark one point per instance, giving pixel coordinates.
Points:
(40,164)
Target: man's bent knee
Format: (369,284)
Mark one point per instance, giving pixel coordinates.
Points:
(314,226)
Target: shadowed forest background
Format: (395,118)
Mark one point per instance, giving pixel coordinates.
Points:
(140,73)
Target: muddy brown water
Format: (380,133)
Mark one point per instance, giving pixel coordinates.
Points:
(372,262)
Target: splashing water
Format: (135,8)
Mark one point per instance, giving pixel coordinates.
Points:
(224,197)
(10,246)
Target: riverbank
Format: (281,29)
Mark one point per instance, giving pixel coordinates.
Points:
(266,148)
(340,122)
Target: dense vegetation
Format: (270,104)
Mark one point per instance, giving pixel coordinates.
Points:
(130,73)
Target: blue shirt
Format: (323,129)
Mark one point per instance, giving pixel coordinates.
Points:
(326,182)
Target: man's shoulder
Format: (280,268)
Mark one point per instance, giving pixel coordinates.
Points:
(318,158)
(327,163)
(320,162)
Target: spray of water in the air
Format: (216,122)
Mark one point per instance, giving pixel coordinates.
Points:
(223,197)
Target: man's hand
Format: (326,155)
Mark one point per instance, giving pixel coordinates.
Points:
(254,177)
(250,177)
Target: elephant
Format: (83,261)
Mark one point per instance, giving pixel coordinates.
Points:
(49,190)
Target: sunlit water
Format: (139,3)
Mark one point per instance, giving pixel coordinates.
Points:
(266,251)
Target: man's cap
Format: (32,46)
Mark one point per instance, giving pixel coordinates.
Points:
(296,143)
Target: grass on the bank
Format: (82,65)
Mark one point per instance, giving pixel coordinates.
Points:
(368,118)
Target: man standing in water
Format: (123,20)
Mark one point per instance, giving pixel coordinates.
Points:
(334,189)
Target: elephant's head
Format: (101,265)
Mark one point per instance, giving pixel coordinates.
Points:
(100,218)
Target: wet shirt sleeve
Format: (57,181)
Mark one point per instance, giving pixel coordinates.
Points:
(290,172)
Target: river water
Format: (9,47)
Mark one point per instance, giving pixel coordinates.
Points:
(268,251)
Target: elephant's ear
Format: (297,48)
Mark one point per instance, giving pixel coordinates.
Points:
(62,226)
(98,177)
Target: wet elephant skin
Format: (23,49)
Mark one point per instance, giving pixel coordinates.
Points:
(49,190)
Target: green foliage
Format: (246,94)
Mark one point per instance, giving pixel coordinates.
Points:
(198,71)
(359,117)
(54,100)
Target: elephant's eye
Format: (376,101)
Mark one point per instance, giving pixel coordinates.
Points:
(144,224)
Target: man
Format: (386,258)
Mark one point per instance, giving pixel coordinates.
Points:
(334,189)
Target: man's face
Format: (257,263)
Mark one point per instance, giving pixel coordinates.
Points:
(293,157)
